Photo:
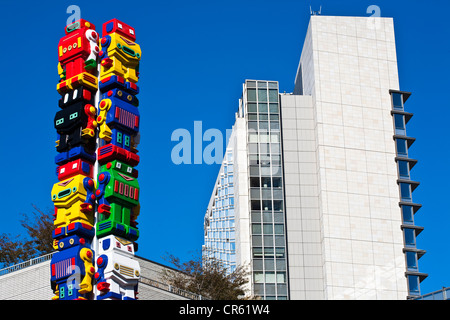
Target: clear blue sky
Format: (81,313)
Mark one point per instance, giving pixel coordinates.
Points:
(196,55)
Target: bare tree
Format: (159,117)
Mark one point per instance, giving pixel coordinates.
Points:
(18,248)
(207,277)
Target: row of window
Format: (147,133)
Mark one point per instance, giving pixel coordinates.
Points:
(405,189)
(262,95)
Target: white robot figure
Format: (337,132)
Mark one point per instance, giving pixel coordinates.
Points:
(117,273)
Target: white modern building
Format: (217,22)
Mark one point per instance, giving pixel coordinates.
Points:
(322,185)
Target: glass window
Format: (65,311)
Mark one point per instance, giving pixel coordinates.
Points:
(253,137)
(273,95)
(402,148)
(408,215)
(413,284)
(252,108)
(281,277)
(253,147)
(258,277)
(273,108)
(273,85)
(411,261)
(399,121)
(397,101)
(410,237)
(266,182)
(268,229)
(254,182)
(257,252)
(262,84)
(251,94)
(264,125)
(270,277)
(251,84)
(403,169)
(405,192)
(274,126)
(262,107)
(262,95)
(279,229)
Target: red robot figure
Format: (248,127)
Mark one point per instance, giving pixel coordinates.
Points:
(77,56)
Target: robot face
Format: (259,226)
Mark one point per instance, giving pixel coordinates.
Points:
(122,95)
(70,117)
(71,241)
(77,95)
(122,168)
(112,242)
(74,168)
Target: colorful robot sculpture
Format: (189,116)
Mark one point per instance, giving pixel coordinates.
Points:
(72,266)
(72,269)
(77,53)
(118,200)
(101,137)
(117,272)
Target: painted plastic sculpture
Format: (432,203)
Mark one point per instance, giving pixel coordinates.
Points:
(119,53)
(74,201)
(77,53)
(118,200)
(117,272)
(72,269)
(97,130)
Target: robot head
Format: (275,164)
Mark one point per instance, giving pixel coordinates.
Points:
(121,167)
(116,26)
(79,24)
(80,94)
(117,244)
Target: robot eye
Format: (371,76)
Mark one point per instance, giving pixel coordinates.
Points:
(66,98)
(118,165)
(75,165)
(59,121)
(62,170)
(75,93)
(131,31)
(119,25)
(73,115)
(129,169)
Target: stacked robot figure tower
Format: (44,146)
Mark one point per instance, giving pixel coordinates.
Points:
(96,197)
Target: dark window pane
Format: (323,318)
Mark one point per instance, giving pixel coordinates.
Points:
(397,101)
(402,148)
(403,169)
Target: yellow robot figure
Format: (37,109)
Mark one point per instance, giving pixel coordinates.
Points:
(119,56)
(74,201)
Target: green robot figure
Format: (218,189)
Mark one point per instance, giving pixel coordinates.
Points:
(118,198)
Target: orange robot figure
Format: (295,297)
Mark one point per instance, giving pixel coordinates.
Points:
(77,56)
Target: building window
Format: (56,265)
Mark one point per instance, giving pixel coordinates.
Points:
(405,192)
(410,237)
(399,121)
(408,215)
(411,261)
(403,169)
(251,94)
(413,285)
(402,147)
(397,101)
